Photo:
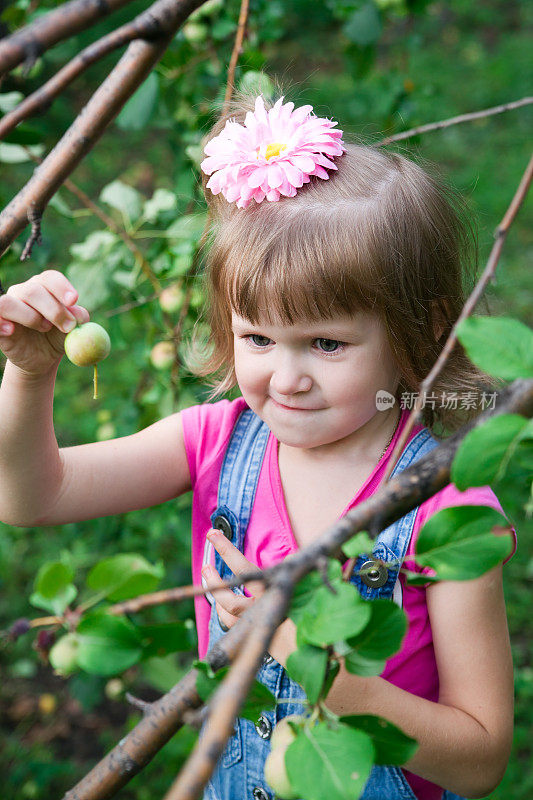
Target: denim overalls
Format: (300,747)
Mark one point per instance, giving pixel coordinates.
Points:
(239,773)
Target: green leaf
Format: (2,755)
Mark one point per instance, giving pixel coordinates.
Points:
(255,83)
(383,634)
(16,154)
(337,762)
(458,542)
(91,281)
(138,111)
(307,665)
(305,589)
(501,346)
(161,200)
(23,134)
(53,589)
(332,617)
(259,698)
(96,245)
(53,577)
(391,745)
(107,645)
(9,101)
(364,26)
(359,544)
(124,198)
(485,452)
(188,227)
(365,667)
(418,578)
(125,575)
(168,637)
(56,604)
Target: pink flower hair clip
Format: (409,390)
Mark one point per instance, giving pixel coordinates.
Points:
(274,153)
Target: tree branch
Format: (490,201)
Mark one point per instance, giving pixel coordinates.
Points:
(390,502)
(446,123)
(31,41)
(134,66)
(227,700)
(488,272)
(42,98)
(237,47)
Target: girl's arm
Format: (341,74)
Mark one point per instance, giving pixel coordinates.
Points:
(465,738)
(44,485)
(41,484)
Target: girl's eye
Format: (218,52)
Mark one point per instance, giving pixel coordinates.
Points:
(258,340)
(328,345)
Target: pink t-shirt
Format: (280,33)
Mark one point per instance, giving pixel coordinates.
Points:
(269,539)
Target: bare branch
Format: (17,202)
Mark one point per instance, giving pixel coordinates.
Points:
(468,308)
(70,18)
(42,98)
(237,47)
(446,123)
(102,108)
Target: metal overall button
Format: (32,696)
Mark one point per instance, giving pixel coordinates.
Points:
(375,574)
(267,658)
(260,794)
(223,524)
(263,727)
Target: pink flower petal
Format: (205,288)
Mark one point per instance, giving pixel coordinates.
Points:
(274,176)
(294,175)
(303,162)
(257,177)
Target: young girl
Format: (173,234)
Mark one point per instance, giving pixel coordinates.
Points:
(334,277)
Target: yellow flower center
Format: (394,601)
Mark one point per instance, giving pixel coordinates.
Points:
(274,149)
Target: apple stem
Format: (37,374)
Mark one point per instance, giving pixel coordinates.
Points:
(95,382)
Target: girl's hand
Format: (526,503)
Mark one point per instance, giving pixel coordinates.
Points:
(35,317)
(229,605)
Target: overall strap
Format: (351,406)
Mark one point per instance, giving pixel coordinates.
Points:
(237,485)
(376,575)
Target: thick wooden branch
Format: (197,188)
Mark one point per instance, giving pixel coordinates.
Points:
(31,41)
(139,59)
(392,501)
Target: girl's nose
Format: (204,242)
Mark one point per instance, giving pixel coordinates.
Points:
(290,376)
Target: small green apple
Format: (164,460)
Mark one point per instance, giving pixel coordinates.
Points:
(171,298)
(162,355)
(64,654)
(275,773)
(87,344)
(283,735)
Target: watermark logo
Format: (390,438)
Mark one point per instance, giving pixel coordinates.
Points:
(384,400)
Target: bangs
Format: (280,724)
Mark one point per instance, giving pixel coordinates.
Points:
(296,266)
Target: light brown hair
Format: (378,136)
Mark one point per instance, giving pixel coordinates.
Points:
(380,235)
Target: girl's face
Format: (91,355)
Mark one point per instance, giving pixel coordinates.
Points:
(315,383)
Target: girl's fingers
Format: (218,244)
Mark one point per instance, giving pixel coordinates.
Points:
(34,304)
(234,604)
(81,314)
(235,560)
(12,309)
(59,286)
